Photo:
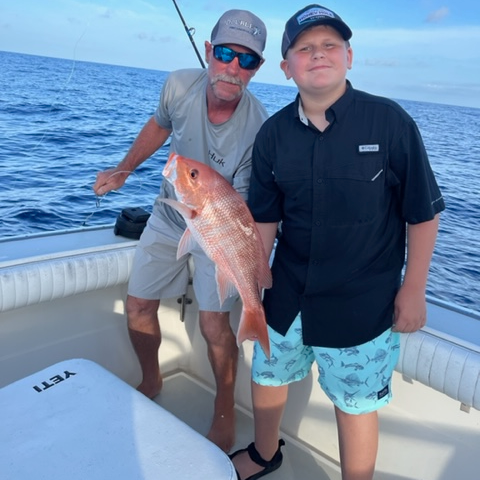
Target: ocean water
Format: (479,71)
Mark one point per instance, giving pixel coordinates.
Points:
(62,121)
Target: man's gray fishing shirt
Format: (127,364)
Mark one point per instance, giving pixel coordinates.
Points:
(226,147)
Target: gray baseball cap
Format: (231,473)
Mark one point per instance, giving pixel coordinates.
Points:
(240,27)
(309,16)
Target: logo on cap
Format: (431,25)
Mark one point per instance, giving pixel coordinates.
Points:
(314,14)
(243,25)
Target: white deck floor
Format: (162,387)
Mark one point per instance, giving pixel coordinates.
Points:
(191,401)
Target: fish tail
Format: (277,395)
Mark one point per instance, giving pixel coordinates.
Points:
(253,326)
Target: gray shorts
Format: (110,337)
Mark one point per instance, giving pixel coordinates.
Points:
(156,272)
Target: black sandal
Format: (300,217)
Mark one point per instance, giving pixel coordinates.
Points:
(255,457)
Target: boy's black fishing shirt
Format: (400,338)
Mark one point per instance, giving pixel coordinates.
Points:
(343,197)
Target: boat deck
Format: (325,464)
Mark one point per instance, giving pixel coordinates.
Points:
(58,304)
(177,396)
(422,447)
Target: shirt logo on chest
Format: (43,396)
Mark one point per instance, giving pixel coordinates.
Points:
(368,148)
(214,158)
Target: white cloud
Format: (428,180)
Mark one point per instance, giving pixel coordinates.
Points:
(438,15)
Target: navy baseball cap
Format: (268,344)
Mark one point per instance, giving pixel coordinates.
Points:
(309,16)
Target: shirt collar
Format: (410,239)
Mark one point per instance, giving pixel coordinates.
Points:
(301,114)
(337,110)
(340,107)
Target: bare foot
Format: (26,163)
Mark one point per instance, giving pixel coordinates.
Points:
(151,389)
(222,431)
(245,466)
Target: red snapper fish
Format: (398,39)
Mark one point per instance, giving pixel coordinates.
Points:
(219,220)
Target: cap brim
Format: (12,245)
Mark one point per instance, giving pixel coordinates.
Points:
(225,41)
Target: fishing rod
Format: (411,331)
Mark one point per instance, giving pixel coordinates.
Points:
(190,33)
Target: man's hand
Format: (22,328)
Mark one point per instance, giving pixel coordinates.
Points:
(108,180)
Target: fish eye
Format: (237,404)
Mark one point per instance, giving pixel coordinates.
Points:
(193,173)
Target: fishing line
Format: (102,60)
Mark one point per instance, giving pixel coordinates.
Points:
(67,83)
(56,101)
(99,198)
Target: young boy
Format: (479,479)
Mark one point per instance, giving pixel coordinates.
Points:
(347,176)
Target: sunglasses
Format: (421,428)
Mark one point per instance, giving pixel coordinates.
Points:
(247,61)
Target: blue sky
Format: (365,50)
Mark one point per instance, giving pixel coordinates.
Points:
(425,50)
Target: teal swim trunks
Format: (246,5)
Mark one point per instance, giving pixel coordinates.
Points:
(356,379)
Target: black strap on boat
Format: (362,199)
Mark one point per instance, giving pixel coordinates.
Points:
(190,33)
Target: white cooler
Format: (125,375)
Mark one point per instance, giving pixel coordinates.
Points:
(77,421)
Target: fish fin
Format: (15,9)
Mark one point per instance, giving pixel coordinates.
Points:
(186,243)
(182,209)
(225,288)
(264,276)
(253,326)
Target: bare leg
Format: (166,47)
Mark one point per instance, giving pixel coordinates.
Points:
(223,356)
(144,331)
(268,406)
(358,441)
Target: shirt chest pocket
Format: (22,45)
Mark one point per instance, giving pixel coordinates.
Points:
(354,192)
(294,179)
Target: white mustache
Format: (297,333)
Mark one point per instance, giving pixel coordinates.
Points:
(221,77)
